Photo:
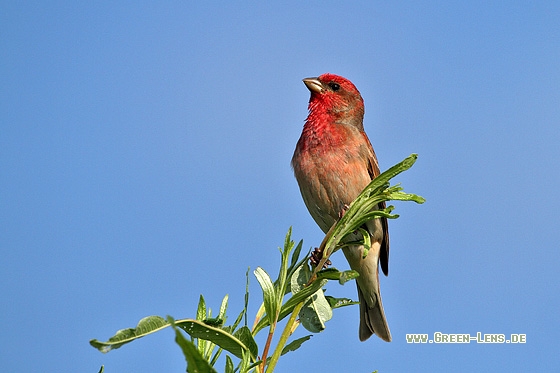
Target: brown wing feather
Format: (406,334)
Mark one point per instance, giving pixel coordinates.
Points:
(373,169)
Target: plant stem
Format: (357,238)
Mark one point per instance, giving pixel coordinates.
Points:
(283,338)
(266,347)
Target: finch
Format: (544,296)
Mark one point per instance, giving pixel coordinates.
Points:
(333,162)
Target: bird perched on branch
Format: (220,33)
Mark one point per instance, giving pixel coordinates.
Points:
(333,162)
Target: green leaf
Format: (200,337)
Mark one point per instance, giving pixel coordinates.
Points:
(229,365)
(348,276)
(367,241)
(300,297)
(299,278)
(145,326)
(334,274)
(216,355)
(253,365)
(293,301)
(297,265)
(340,302)
(294,345)
(288,243)
(201,310)
(397,169)
(281,284)
(223,309)
(195,361)
(362,208)
(245,336)
(400,196)
(246,304)
(315,312)
(330,273)
(219,336)
(245,363)
(202,315)
(295,254)
(269,295)
(376,214)
(243,313)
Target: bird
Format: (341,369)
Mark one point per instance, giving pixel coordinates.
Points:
(333,162)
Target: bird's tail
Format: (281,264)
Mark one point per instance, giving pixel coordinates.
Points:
(372,316)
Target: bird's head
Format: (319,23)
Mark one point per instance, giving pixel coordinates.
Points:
(336,97)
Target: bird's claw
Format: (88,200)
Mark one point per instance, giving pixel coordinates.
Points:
(316,256)
(343,208)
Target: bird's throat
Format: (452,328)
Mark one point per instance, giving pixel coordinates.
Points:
(321,132)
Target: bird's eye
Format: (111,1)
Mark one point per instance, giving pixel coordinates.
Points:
(334,86)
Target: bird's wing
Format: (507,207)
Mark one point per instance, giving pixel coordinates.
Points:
(373,170)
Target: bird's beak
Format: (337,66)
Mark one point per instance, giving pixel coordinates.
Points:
(313,84)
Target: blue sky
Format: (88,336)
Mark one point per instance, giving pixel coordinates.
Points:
(144,160)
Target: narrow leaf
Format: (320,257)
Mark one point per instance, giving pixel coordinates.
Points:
(195,361)
(281,283)
(245,362)
(145,326)
(269,297)
(229,365)
(243,313)
(202,314)
(400,196)
(253,365)
(295,254)
(334,274)
(361,208)
(201,310)
(348,276)
(294,345)
(223,309)
(288,307)
(330,273)
(219,336)
(340,302)
(398,168)
(367,242)
(288,239)
(245,336)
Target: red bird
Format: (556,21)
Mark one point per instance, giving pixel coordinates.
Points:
(333,162)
